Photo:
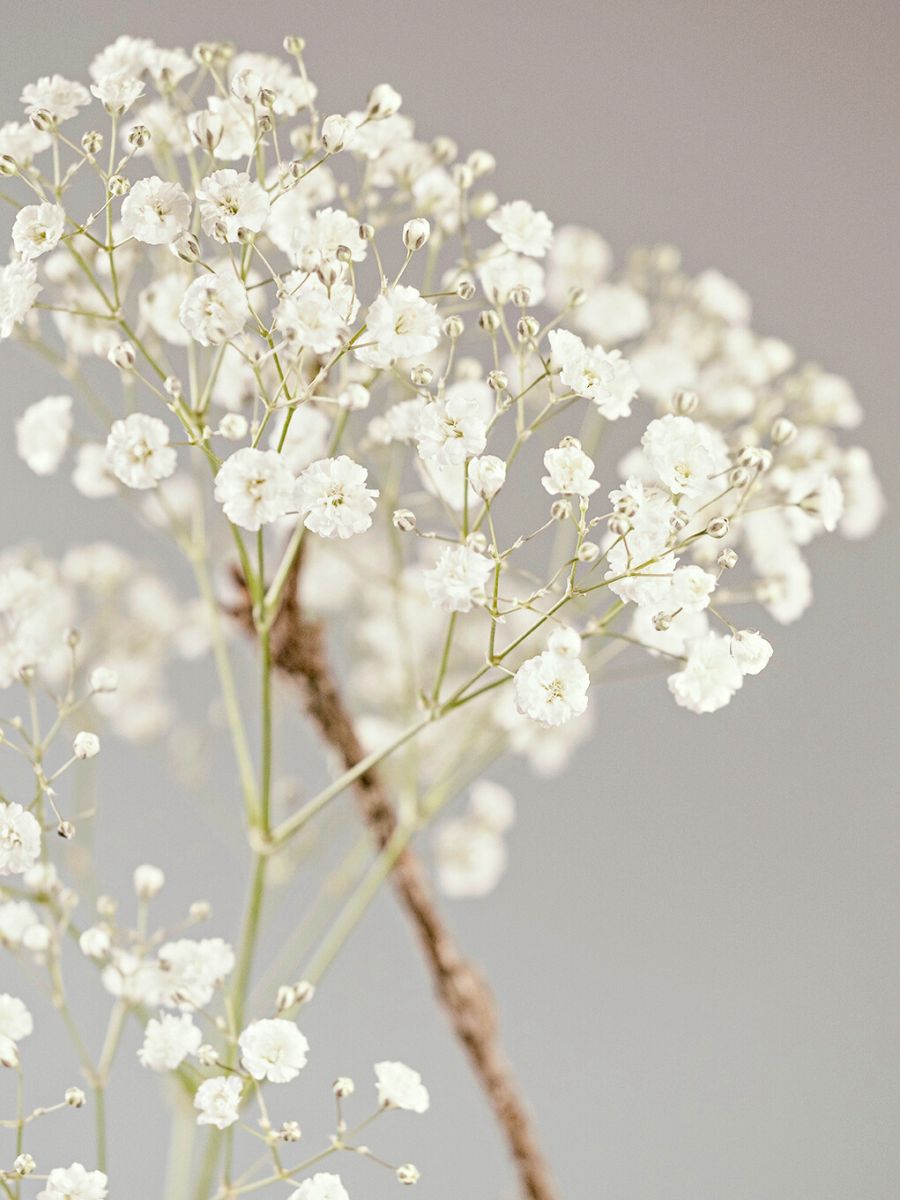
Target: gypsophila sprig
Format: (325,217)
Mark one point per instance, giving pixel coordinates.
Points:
(364,397)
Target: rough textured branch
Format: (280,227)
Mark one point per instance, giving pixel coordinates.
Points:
(299,654)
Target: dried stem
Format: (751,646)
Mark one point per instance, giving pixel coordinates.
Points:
(299,655)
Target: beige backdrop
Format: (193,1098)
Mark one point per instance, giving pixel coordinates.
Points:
(700,986)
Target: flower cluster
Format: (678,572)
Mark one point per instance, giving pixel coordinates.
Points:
(318,351)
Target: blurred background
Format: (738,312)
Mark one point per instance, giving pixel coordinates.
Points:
(695,946)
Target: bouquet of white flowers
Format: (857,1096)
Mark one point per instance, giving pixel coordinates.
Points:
(364,398)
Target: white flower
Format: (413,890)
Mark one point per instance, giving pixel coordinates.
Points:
(125,56)
(313,315)
(607,379)
(273,1049)
(565,641)
(451,430)
(192,971)
(74,1183)
(457,580)
(42,433)
(21,141)
(104,679)
(117,92)
(321,1186)
(218,1101)
(58,96)
(579,258)
(569,471)
(710,678)
(314,238)
(229,201)
(492,806)
(86,745)
(691,589)
(400,1086)
(721,297)
(168,1041)
(156,211)
(487,475)
(20,926)
(20,839)
(148,881)
(94,942)
(751,651)
(332,496)
(19,289)
(521,229)
(503,272)
(254,487)
(138,451)
(552,688)
(683,453)
(614,313)
(16,1021)
(38,228)
(470,858)
(92,476)
(214,309)
(403,324)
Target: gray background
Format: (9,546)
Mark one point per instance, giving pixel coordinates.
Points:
(695,947)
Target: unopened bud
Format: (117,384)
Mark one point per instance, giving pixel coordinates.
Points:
(416,233)
(139,136)
(122,356)
(718,527)
(8,165)
(727,558)
(117,185)
(588,552)
(783,431)
(285,998)
(75,1097)
(685,402)
(498,381)
(561,510)
(489,321)
(421,375)
(343,1087)
(43,120)
(24,1164)
(186,247)
(92,142)
(528,328)
(465,289)
(408,1174)
(384,101)
(453,327)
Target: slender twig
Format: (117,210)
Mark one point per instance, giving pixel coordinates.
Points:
(298,653)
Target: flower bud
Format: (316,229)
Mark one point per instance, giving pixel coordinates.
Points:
(738,477)
(528,328)
(404,519)
(290,1132)
(727,559)
(383,102)
(94,942)
(245,86)
(685,402)
(498,381)
(444,148)
(561,510)
(148,881)
(481,162)
(588,552)
(305,991)
(86,745)
(92,142)
(661,622)
(487,475)
(43,120)
(718,527)
(139,136)
(416,233)
(207,1056)
(8,165)
(206,129)
(343,1087)
(678,520)
(619,525)
(24,1164)
(75,1097)
(65,830)
(117,185)
(9,1054)
(285,998)
(408,1174)
(337,133)
(783,431)
(294,44)
(420,375)
(489,321)
(520,296)
(465,289)
(186,247)
(123,356)
(453,327)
